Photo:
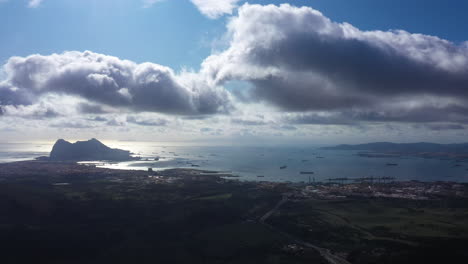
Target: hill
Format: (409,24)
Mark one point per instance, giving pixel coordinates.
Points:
(92,149)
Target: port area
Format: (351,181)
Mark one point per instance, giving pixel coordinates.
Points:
(71,213)
(409,190)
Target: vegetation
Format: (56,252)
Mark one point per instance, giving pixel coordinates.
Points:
(69,213)
(381,230)
(106,216)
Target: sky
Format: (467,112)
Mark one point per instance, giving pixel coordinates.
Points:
(232,71)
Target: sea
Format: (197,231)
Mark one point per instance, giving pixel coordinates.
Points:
(262,163)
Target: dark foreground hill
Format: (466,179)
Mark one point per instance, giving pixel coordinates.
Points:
(92,149)
(405,147)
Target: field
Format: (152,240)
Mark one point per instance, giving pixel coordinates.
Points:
(381,230)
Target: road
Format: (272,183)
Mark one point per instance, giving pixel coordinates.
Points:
(324,252)
(273,210)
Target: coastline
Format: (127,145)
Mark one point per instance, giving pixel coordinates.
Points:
(337,188)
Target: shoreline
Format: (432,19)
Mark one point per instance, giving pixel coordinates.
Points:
(91,164)
(328,190)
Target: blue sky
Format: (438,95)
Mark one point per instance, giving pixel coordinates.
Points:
(361,70)
(174,33)
(164,33)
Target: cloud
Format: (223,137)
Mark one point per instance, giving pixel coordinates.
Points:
(206,129)
(298,60)
(149,3)
(248,122)
(40,111)
(211,8)
(291,64)
(115,122)
(97,119)
(70,124)
(212,131)
(215,8)
(48,113)
(34,3)
(416,114)
(87,108)
(318,119)
(11,96)
(147,122)
(439,127)
(287,127)
(196,117)
(110,81)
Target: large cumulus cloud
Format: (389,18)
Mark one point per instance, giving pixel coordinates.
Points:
(299,60)
(109,81)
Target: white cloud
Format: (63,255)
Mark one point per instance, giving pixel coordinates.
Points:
(34,3)
(299,60)
(109,81)
(149,3)
(215,8)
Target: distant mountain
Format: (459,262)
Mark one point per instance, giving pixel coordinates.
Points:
(420,147)
(92,149)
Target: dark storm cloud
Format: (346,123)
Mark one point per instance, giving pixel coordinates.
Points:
(110,81)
